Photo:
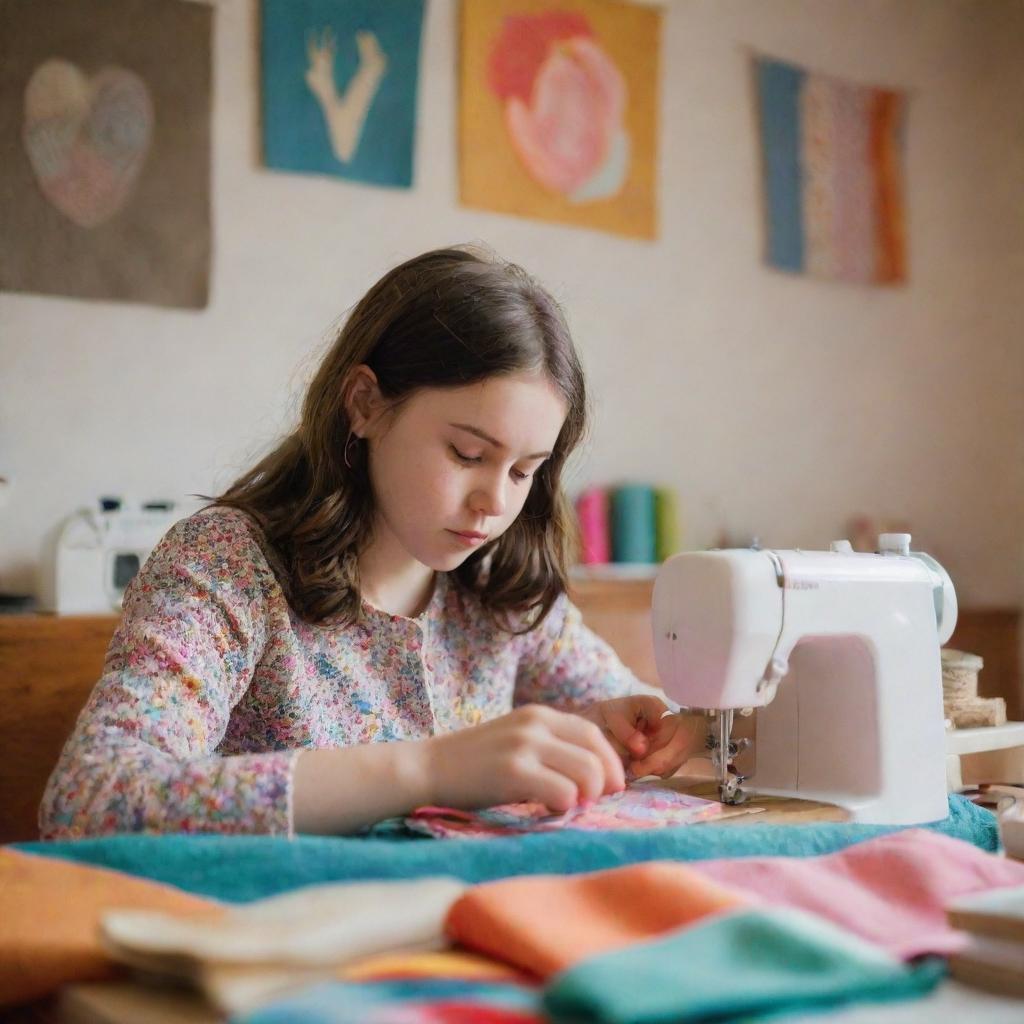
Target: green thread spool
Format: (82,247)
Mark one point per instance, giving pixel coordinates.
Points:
(666,523)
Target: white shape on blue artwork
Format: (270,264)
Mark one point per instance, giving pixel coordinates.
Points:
(344,113)
(340,79)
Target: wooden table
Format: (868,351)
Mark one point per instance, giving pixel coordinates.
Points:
(761,810)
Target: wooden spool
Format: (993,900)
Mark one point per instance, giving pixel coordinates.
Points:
(960,700)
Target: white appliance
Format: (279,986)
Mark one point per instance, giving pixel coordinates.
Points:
(837,652)
(100,550)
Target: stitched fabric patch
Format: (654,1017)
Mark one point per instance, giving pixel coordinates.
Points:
(642,805)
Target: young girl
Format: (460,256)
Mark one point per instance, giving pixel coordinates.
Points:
(375,616)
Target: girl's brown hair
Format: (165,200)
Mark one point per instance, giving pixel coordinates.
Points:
(445,319)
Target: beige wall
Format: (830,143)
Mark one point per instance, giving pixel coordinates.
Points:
(775,405)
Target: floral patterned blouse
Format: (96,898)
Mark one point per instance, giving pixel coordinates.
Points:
(212,685)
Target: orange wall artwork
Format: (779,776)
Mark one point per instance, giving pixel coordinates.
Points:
(559,111)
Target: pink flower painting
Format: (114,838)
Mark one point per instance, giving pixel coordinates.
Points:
(558,111)
(564,104)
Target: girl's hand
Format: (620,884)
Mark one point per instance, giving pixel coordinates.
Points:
(533,753)
(649,740)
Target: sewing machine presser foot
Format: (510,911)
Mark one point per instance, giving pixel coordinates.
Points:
(723,752)
(731,791)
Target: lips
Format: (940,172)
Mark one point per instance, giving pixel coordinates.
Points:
(469,538)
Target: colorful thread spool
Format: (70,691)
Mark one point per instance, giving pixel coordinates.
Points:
(666,519)
(633,524)
(592,512)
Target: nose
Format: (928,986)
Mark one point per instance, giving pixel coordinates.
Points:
(489,498)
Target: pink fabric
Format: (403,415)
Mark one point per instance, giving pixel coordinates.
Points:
(891,890)
(640,805)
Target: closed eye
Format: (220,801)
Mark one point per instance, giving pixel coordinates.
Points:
(471,460)
(468,459)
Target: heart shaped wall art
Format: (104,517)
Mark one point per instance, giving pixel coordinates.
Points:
(87,138)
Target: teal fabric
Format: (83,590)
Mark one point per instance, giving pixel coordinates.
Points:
(748,964)
(242,868)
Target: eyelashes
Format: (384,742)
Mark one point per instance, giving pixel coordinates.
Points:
(468,459)
(474,460)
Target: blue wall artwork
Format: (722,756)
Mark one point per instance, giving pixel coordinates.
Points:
(339,87)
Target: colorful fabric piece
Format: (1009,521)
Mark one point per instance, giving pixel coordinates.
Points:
(240,868)
(775,961)
(261,951)
(448,963)
(237,992)
(891,891)
(49,922)
(833,175)
(212,685)
(641,805)
(406,1001)
(741,965)
(279,943)
(548,923)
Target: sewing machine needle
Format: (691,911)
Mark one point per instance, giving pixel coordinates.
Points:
(724,734)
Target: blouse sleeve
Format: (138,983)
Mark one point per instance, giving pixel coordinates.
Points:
(567,665)
(142,755)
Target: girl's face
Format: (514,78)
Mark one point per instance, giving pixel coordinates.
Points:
(451,468)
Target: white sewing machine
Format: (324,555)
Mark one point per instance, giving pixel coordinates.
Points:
(838,653)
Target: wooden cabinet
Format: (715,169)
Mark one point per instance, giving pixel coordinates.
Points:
(48,665)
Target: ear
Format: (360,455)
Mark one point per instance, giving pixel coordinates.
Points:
(363,401)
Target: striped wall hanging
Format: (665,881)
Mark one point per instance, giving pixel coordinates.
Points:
(833,169)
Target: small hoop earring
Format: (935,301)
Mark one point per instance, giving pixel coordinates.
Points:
(352,439)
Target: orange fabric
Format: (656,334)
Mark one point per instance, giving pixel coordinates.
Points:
(49,920)
(545,923)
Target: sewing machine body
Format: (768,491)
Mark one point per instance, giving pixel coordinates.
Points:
(837,651)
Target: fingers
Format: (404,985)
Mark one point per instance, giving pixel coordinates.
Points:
(625,724)
(580,767)
(630,721)
(568,742)
(624,754)
(555,790)
(586,734)
(596,714)
(533,753)
(682,740)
